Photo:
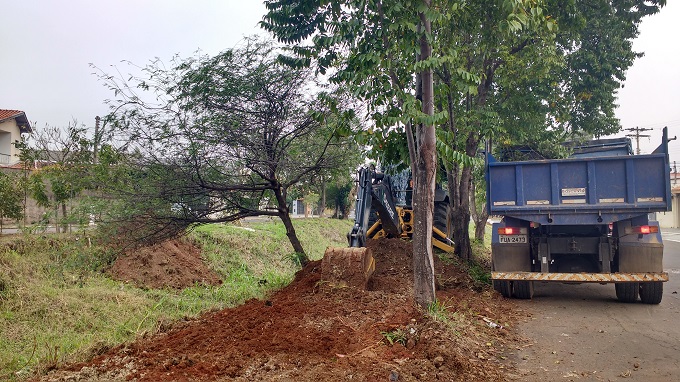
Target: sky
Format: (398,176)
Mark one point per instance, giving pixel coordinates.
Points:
(46,48)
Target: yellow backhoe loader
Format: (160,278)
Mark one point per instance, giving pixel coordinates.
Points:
(376,216)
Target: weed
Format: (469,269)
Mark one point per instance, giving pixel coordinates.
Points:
(296,258)
(395,336)
(438,310)
(480,275)
(51,360)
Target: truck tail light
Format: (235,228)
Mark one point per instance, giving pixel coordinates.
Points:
(647,229)
(643,229)
(512,231)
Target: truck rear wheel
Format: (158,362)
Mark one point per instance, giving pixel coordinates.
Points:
(651,293)
(441,217)
(503,287)
(627,292)
(523,289)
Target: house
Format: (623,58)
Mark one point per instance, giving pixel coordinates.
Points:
(13,123)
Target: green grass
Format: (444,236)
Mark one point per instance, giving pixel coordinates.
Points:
(56,304)
(479,267)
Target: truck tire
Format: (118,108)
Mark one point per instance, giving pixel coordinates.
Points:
(523,289)
(441,216)
(651,293)
(503,287)
(627,292)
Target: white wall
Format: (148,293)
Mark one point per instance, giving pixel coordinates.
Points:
(9,132)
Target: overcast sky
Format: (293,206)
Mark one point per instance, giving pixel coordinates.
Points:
(46,48)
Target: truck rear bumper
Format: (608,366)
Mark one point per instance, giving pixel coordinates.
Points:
(582,277)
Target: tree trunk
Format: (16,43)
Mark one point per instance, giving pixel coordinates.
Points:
(57,226)
(461,211)
(480,229)
(423,200)
(463,248)
(64,218)
(322,203)
(288,223)
(479,216)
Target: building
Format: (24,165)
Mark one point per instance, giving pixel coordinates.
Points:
(13,123)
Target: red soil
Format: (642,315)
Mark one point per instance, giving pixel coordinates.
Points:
(170,264)
(313,331)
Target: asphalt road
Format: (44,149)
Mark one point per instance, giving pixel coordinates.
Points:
(582,333)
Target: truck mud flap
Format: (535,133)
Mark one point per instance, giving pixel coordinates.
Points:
(582,277)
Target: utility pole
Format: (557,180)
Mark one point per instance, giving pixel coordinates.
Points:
(637,136)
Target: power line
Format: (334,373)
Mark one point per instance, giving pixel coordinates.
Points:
(637,136)
(661,125)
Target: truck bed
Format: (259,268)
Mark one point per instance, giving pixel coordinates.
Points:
(574,191)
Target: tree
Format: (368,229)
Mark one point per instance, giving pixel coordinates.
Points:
(62,158)
(383,52)
(483,38)
(221,139)
(478,209)
(339,199)
(352,36)
(11,198)
(543,72)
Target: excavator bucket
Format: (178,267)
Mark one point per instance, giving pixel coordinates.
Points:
(344,267)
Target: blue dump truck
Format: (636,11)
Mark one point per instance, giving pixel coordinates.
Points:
(583,219)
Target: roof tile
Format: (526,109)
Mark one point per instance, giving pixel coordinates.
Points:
(7,114)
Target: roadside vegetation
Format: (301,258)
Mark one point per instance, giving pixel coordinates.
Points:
(57,304)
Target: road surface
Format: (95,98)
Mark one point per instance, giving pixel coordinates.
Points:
(582,333)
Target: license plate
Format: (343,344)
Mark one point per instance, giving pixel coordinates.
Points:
(511,239)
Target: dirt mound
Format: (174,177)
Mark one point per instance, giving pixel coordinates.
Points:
(171,264)
(312,331)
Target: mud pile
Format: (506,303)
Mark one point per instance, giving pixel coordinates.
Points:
(312,331)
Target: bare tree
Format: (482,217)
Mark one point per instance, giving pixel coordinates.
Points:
(221,139)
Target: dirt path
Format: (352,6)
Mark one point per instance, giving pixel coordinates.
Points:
(582,333)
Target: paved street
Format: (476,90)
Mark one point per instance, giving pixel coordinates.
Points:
(581,332)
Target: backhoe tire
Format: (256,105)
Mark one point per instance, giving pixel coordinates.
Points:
(651,293)
(441,217)
(523,289)
(503,287)
(627,292)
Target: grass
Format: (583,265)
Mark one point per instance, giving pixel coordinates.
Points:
(479,266)
(56,304)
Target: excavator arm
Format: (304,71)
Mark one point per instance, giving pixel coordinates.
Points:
(353,266)
(374,193)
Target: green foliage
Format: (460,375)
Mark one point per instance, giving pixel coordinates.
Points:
(338,197)
(518,71)
(396,336)
(62,165)
(11,197)
(438,310)
(480,275)
(353,37)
